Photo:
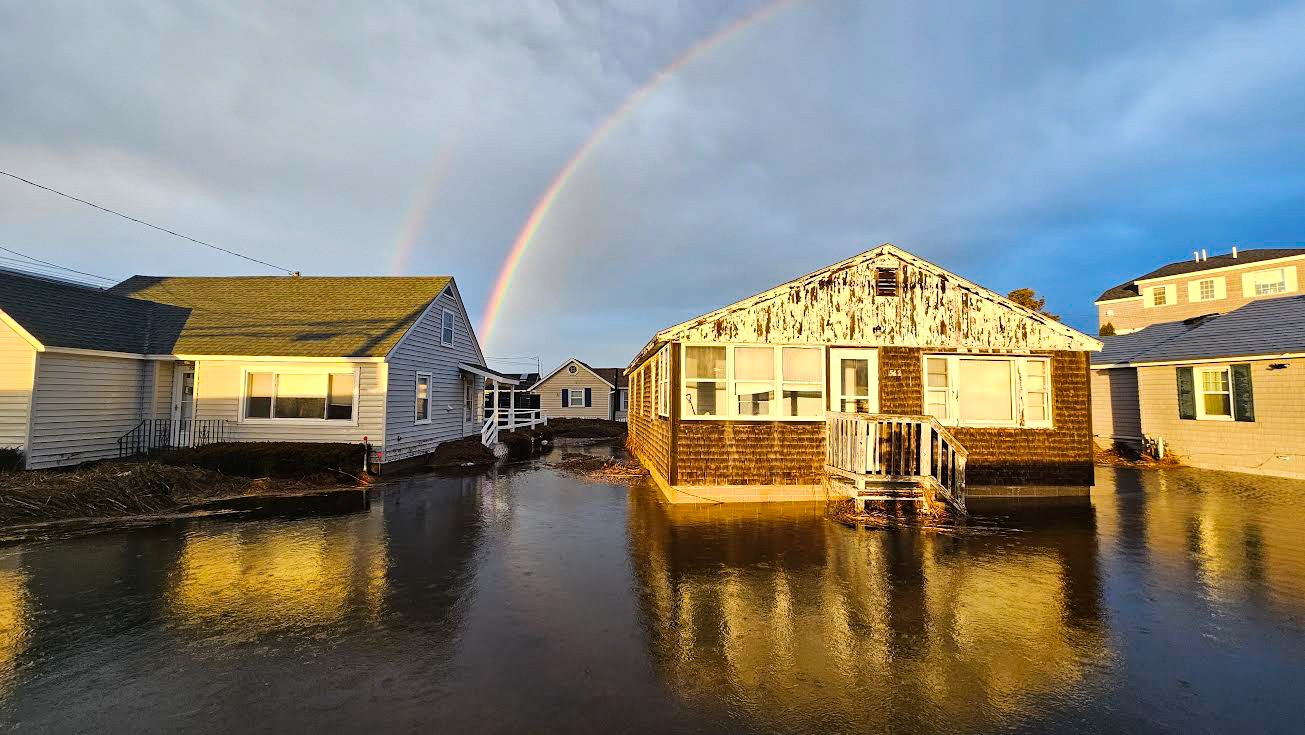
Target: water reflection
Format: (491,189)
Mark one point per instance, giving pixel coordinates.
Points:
(13,617)
(785,614)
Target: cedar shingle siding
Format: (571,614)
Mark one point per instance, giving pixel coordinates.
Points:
(749,453)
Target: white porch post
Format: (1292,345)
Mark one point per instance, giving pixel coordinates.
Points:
(512,407)
(495,413)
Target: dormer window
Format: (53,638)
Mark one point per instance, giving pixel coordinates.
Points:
(885,281)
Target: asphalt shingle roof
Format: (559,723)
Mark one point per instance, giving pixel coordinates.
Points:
(1127,289)
(290,315)
(1124,347)
(62,314)
(1267,327)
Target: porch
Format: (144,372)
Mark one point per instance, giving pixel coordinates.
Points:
(883,457)
(495,419)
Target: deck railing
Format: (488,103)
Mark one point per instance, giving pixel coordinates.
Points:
(518,418)
(153,434)
(888,448)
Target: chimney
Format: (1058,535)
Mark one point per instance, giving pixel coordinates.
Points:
(1203,255)
(1234,251)
(1196,256)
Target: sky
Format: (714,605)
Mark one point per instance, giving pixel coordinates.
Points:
(1065,147)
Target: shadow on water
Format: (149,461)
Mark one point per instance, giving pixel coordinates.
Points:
(528,599)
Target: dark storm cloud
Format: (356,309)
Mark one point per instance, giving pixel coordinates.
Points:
(1019,144)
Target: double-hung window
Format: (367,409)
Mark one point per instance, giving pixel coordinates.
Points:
(1214,386)
(1205,289)
(753,382)
(423,398)
(1270,282)
(988,390)
(304,395)
(664,382)
(446,329)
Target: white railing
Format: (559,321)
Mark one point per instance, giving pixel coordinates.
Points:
(519,418)
(888,448)
(489,431)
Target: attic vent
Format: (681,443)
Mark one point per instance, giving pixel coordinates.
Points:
(885,281)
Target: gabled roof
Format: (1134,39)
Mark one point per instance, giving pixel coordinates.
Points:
(1273,326)
(1120,349)
(1129,289)
(68,315)
(290,315)
(579,362)
(613,376)
(796,291)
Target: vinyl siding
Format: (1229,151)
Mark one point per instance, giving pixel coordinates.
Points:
(17,363)
(163,390)
(617,413)
(1115,410)
(550,395)
(81,405)
(1273,444)
(422,351)
(218,391)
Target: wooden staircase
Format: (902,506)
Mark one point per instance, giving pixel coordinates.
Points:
(882,457)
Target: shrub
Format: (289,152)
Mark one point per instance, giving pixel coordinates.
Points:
(11,459)
(270,459)
(1107,330)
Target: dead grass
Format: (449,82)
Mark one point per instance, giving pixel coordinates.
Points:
(603,469)
(587,429)
(883,516)
(1123,456)
(113,489)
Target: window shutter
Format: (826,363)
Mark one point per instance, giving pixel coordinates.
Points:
(1186,394)
(1243,395)
(566,398)
(589,397)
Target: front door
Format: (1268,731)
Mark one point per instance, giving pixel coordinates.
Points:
(183,406)
(854,380)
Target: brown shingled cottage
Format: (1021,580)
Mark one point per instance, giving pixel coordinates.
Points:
(883,373)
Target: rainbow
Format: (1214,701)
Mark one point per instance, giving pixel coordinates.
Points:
(494,307)
(423,202)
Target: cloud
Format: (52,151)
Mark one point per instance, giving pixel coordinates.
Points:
(1019,144)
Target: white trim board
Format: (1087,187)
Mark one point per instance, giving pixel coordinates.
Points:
(568,361)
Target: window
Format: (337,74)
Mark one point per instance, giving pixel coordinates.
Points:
(423,398)
(446,329)
(572,369)
(625,400)
(803,371)
(988,390)
(1267,283)
(885,281)
(1206,289)
(469,400)
(753,382)
(704,381)
(576,397)
(1159,296)
(316,396)
(1214,386)
(664,382)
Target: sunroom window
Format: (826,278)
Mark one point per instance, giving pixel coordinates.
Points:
(290,395)
(804,381)
(754,380)
(704,381)
(1270,282)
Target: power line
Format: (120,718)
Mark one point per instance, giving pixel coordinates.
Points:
(53,265)
(143,222)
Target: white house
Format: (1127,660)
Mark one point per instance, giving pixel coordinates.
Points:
(86,374)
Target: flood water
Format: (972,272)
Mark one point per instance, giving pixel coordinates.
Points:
(533,601)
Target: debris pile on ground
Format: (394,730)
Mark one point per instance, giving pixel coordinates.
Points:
(587,428)
(1124,456)
(525,443)
(888,515)
(607,469)
(463,453)
(113,489)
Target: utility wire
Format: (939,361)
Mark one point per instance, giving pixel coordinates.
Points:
(52,265)
(143,222)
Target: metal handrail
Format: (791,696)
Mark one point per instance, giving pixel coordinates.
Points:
(154,434)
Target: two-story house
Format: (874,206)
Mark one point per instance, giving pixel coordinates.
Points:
(1204,285)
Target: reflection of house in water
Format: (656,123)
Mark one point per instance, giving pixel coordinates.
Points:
(786,614)
(13,618)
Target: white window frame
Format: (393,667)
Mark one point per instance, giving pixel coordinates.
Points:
(571,397)
(664,381)
(1198,380)
(625,399)
(277,370)
(430,401)
(448,317)
(1200,289)
(1169,290)
(731,412)
(1256,283)
(1019,392)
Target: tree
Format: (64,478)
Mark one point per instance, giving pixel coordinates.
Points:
(1028,298)
(1107,330)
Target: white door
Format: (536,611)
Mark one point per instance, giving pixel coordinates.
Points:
(854,380)
(183,405)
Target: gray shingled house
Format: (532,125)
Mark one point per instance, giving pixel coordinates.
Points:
(86,373)
(1222,391)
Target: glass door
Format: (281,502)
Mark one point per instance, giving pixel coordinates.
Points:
(183,406)
(854,380)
